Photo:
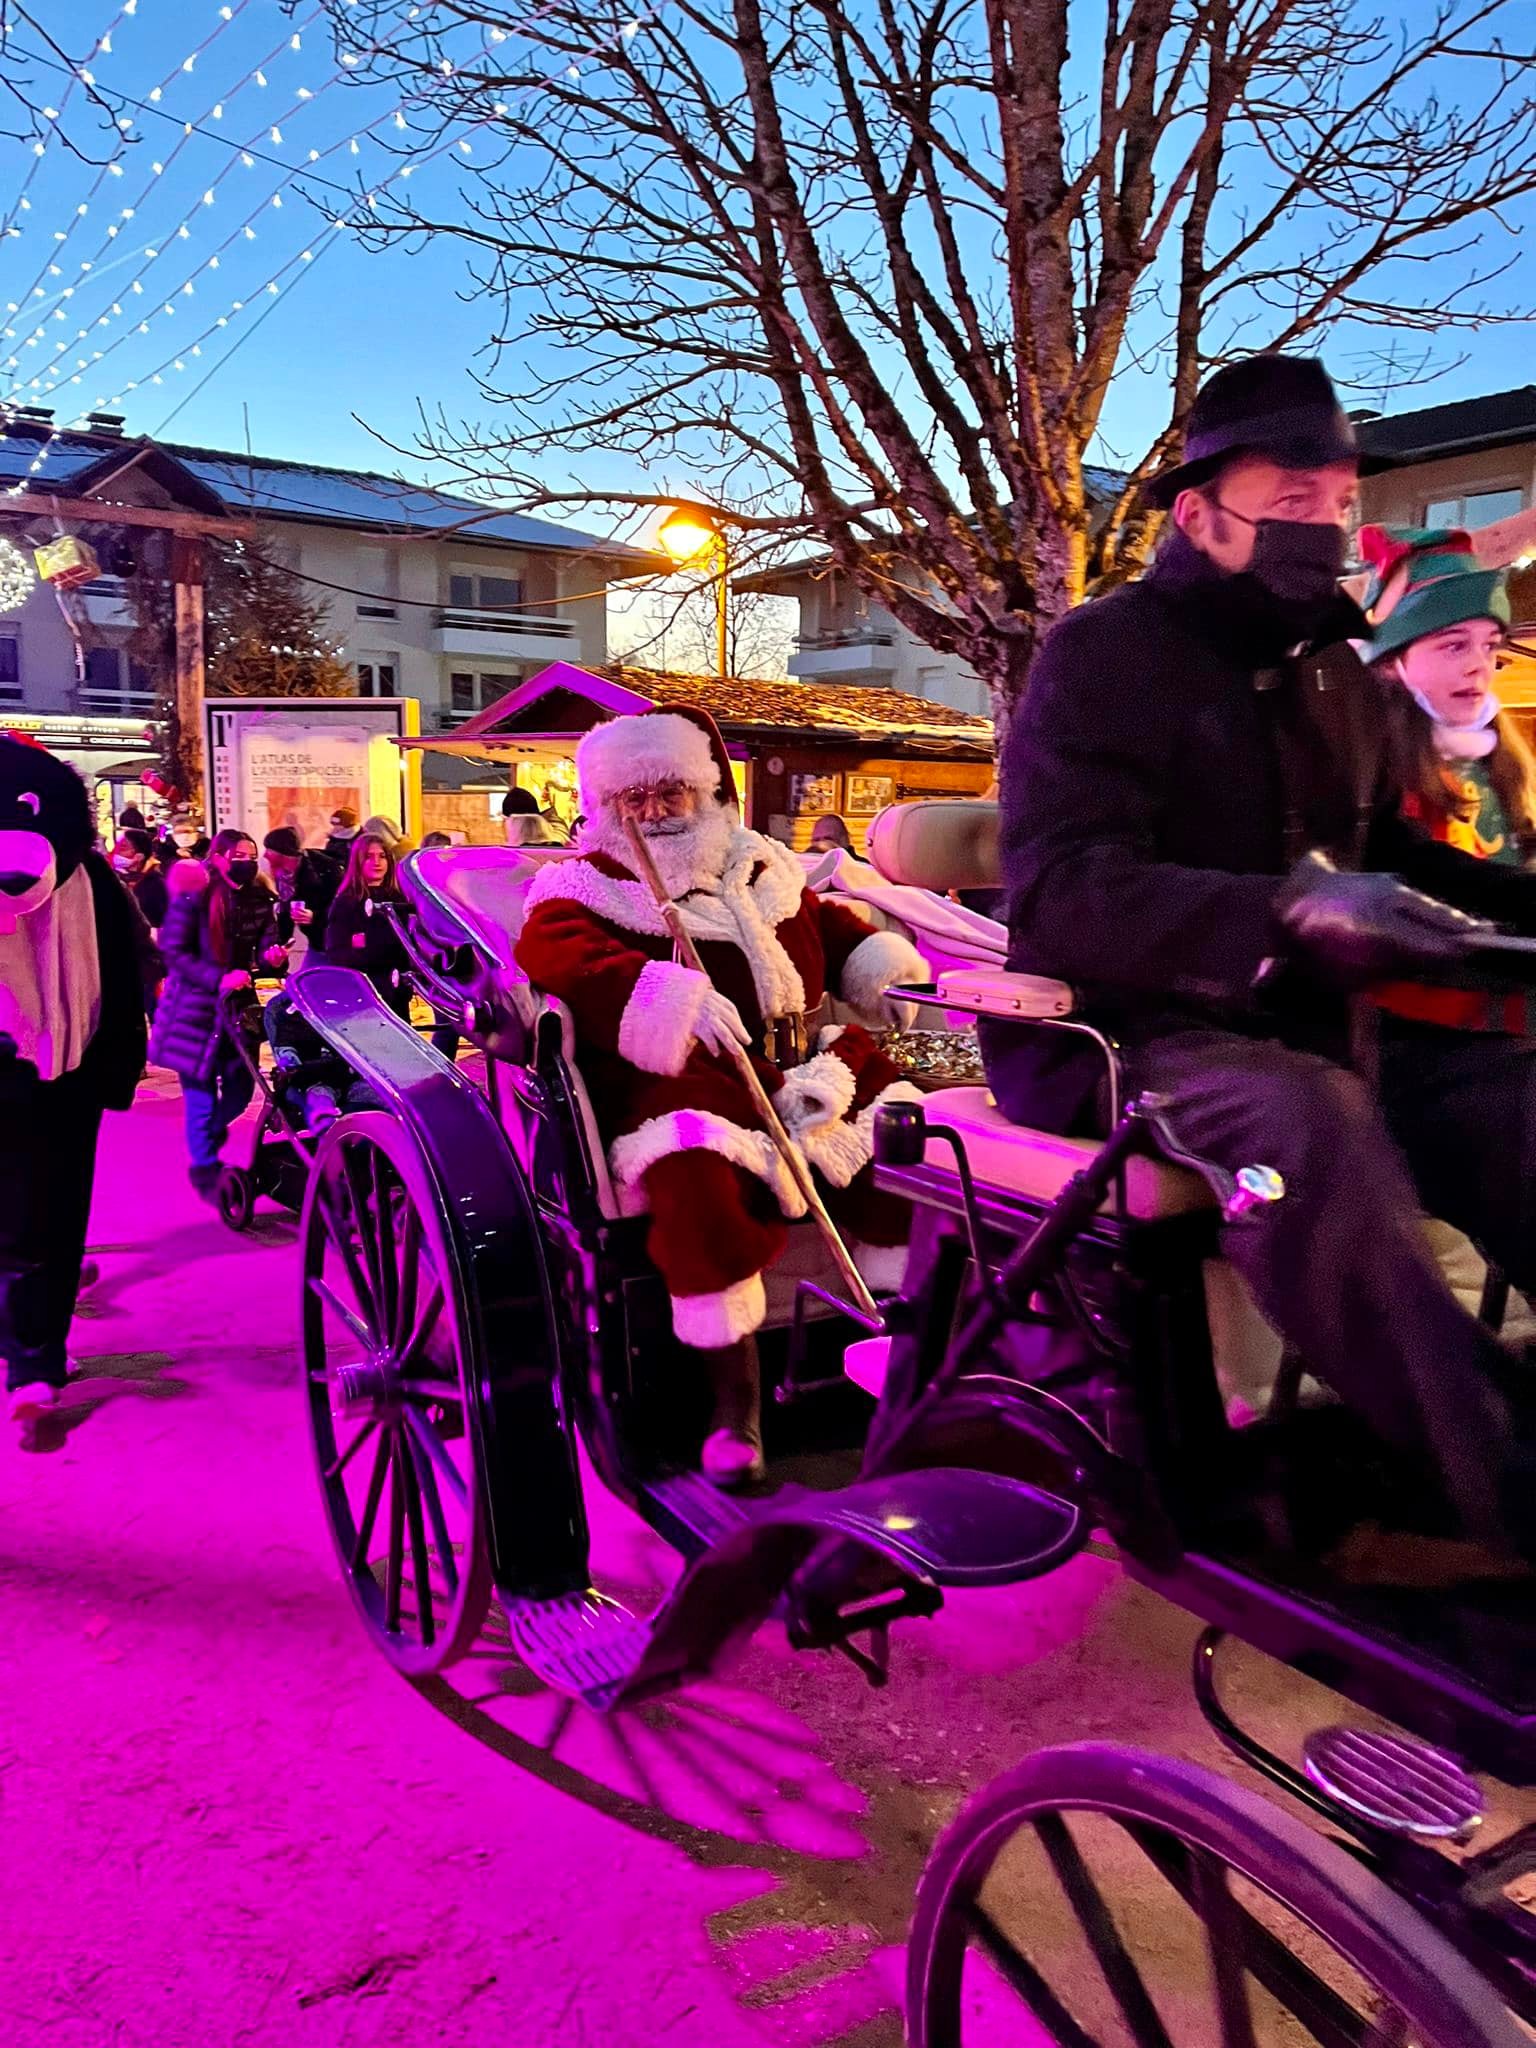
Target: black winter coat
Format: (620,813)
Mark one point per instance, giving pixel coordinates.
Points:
(354,939)
(1168,765)
(114,1059)
(314,886)
(189,1030)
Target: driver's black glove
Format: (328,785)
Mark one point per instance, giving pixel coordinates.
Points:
(1355,929)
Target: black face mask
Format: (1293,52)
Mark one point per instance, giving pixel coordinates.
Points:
(241,872)
(1295,568)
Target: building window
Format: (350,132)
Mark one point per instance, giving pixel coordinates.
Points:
(377,678)
(470,591)
(469,693)
(10,666)
(110,673)
(1477,508)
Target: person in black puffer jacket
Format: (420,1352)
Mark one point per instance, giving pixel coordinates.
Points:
(354,937)
(218,934)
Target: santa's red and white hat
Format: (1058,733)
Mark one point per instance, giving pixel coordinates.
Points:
(678,744)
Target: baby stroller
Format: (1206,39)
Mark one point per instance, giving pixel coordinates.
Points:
(304,1090)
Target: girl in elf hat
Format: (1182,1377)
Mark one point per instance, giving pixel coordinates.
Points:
(1439,620)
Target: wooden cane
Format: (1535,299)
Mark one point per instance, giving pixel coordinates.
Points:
(762,1101)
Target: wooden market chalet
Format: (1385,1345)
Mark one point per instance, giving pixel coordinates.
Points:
(802,750)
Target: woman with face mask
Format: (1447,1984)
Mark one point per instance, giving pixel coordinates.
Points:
(217,936)
(133,857)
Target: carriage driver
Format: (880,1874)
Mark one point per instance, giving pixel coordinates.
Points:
(1183,742)
(655,1037)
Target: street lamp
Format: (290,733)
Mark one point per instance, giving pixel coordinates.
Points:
(693,534)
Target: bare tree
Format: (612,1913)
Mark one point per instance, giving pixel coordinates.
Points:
(47,89)
(867,270)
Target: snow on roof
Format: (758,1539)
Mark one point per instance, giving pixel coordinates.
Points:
(275,489)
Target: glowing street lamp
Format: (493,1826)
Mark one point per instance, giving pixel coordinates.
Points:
(694,535)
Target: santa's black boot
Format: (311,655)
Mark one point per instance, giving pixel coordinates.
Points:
(733,1449)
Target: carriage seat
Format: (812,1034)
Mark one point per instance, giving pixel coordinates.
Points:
(1021,1161)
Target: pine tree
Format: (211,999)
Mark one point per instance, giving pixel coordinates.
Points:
(265,635)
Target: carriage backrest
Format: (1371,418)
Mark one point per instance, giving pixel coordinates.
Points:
(938,843)
(478,893)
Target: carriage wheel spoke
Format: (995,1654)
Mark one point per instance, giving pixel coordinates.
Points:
(344,1315)
(409,1257)
(1103,1937)
(428,1308)
(338,1465)
(1023,1978)
(371,1505)
(339,1231)
(426,1481)
(421,1564)
(394,1562)
(1388,2030)
(384,1233)
(1221,1918)
(358,1177)
(1331,2020)
(430,1442)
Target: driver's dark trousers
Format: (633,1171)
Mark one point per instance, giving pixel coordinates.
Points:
(1340,1266)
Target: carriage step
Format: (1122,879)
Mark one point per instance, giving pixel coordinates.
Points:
(691,1513)
(580,1643)
(1394,1781)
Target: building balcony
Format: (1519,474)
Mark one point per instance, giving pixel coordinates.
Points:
(856,653)
(116,703)
(503,636)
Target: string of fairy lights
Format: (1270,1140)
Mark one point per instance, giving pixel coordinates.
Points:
(115,311)
(99,311)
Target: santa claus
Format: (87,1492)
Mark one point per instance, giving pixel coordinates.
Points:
(684,1141)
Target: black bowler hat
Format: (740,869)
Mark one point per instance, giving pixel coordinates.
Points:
(1284,407)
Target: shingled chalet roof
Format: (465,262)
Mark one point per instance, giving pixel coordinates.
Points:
(821,708)
(561,701)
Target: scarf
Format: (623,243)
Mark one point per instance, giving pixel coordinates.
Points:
(50,979)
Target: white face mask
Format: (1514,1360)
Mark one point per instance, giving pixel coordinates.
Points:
(123,862)
(184,839)
(26,854)
(1484,715)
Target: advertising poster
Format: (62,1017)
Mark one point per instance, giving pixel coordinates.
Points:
(293,761)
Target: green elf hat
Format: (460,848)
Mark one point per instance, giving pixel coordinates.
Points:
(1424,579)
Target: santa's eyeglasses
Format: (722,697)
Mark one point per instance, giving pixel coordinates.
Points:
(673,797)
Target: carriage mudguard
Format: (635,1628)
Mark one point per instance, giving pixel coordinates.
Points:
(940,1528)
(524,1453)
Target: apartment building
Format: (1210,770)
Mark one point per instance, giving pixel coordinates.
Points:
(428,594)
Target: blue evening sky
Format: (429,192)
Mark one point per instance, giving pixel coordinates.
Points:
(361,338)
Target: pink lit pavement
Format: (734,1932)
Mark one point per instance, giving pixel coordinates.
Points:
(224,1823)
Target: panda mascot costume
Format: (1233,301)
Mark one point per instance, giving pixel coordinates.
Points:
(72,1044)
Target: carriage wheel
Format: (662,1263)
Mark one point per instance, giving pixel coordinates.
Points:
(1100,1897)
(389,1354)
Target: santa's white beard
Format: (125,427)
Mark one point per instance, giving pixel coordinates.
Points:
(690,853)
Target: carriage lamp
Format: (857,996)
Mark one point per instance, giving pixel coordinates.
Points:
(900,1134)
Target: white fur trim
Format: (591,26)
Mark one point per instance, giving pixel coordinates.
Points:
(870,969)
(761,886)
(841,1150)
(884,1266)
(660,747)
(657,1028)
(815,1093)
(688,1130)
(708,1322)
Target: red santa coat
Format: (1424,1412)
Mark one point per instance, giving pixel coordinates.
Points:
(594,937)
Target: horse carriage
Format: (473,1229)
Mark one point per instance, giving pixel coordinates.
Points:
(1050,1374)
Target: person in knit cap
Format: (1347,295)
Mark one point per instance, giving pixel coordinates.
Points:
(656,1039)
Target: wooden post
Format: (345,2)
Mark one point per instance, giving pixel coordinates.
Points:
(187,575)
